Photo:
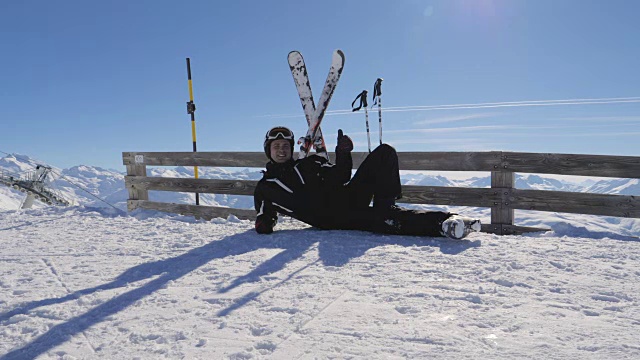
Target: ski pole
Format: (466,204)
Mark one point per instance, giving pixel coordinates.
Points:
(363,103)
(191,109)
(377,98)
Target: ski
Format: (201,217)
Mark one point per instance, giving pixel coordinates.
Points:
(337,64)
(301,80)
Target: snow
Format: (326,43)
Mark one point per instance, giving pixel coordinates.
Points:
(82,282)
(88,281)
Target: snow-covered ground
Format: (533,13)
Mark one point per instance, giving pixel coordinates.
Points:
(83,283)
(90,281)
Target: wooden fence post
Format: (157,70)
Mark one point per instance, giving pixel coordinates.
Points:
(139,169)
(501,213)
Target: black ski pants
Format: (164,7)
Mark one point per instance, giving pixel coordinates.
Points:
(378,178)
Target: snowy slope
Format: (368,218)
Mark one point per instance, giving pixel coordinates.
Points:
(9,198)
(81,284)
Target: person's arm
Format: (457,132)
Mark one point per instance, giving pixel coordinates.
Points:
(267,217)
(344,162)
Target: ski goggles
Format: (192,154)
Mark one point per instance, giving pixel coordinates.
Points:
(279,133)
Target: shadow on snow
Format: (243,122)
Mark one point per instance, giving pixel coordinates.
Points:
(333,250)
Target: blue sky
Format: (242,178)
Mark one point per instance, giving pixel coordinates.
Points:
(83,81)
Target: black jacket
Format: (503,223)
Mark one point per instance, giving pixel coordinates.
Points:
(310,190)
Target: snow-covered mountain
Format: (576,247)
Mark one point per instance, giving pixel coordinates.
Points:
(236,201)
(616,186)
(85,185)
(427,180)
(16,163)
(95,186)
(536,182)
(530,182)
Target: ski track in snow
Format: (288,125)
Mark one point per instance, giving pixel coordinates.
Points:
(79,284)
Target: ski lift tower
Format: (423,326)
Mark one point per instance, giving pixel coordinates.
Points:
(33,184)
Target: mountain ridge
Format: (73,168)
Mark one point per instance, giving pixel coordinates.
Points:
(84,184)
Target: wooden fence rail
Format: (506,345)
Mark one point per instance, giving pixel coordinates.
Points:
(502,197)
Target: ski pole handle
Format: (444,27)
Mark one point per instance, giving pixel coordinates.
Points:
(363,101)
(377,88)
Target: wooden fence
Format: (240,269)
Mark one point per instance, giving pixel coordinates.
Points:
(503,198)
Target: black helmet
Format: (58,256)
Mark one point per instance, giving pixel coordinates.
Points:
(278,132)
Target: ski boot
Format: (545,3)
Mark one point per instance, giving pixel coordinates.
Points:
(458,227)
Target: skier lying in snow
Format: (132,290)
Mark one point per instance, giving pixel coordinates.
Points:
(324,195)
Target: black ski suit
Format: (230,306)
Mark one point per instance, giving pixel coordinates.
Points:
(323,195)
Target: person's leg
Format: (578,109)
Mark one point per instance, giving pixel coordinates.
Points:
(402,221)
(378,177)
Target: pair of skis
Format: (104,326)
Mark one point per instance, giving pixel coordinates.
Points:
(313,114)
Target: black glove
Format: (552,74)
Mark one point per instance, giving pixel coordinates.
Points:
(344,142)
(264,226)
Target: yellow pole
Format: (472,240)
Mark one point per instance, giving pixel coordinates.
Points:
(191,109)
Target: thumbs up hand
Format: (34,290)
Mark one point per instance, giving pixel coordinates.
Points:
(344,142)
